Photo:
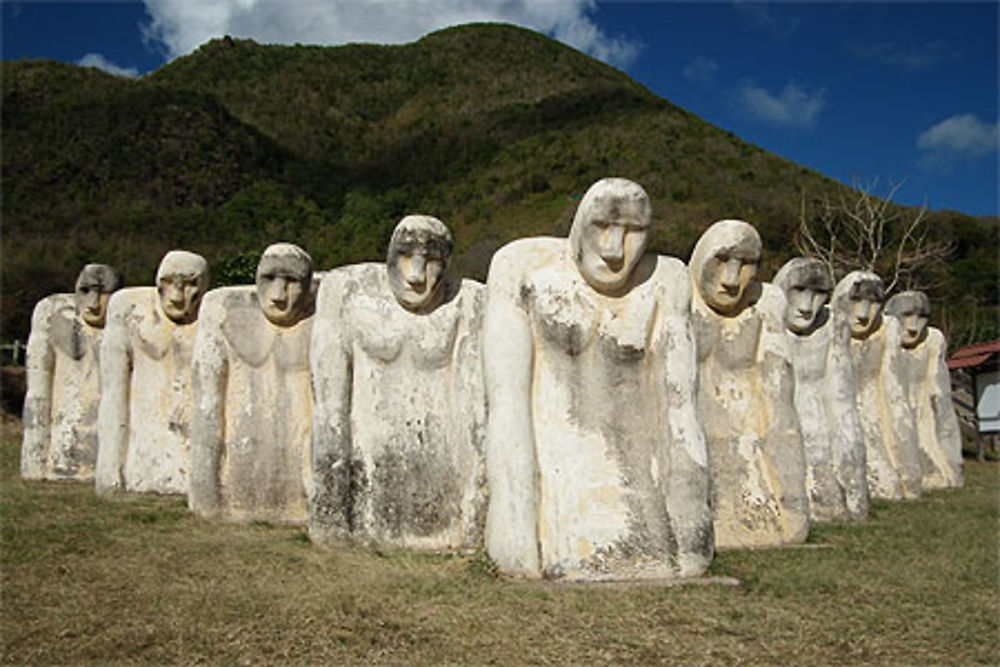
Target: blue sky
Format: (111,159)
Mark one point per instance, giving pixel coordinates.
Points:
(870,93)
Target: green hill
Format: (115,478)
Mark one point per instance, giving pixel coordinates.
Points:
(495,129)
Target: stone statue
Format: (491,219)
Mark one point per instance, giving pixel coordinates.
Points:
(825,400)
(399,410)
(145,412)
(596,462)
(928,383)
(745,393)
(886,419)
(252,396)
(60,408)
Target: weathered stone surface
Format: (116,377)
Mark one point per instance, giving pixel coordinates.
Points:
(399,411)
(825,400)
(596,463)
(252,394)
(60,407)
(745,393)
(928,384)
(144,419)
(883,406)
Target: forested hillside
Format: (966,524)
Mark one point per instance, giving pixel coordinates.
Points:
(495,129)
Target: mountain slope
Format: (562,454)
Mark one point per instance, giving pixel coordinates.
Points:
(495,129)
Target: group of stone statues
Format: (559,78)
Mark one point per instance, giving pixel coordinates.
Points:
(593,412)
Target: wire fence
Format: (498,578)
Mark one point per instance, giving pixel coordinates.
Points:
(12,354)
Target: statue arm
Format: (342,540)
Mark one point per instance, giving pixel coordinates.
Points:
(332,499)
(40,365)
(846,434)
(689,485)
(470,413)
(902,421)
(945,420)
(113,410)
(508,359)
(209,375)
(783,439)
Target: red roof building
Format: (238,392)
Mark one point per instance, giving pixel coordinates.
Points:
(971,356)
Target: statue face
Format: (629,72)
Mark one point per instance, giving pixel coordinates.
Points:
(418,256)
(866,300)
(807,290)
(181,281)
(612,241)
(94,286)
(92,303)
(913,311)
(283,286)
(726,276)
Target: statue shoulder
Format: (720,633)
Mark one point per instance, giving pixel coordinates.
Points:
(50,305)
(523,256)
(671,277)
(131,300)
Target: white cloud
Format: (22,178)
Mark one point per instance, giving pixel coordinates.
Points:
(792,107)
(781,23)
(960,136)
(700,70)
(180,26)
(915,57)
(102,63)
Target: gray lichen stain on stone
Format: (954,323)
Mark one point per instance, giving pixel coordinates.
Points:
(610,395)
(340,484)
(414,489)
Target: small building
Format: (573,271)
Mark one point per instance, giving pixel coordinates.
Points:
(975,379)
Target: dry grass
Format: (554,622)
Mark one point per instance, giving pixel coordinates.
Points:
(139,580)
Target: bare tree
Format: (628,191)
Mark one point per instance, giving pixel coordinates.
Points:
(858,230)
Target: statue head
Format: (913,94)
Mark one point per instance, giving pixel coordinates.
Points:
(419,251)
(610,233)
(93,288)
(724,266)
(859,296)
(807,286)
(284,284)
(181,281)
(913,310)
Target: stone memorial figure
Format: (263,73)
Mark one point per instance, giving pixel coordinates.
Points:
(745,393)
(825,400)
(883,407)
(596,462)
(399,407)
(928,384)
(60,407)
(145,412)
(252,396)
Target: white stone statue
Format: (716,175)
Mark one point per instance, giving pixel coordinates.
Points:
(825,396)
(596,462)
(745,393)
(252,395)
(886,419)
(928,383)
(60,407)
(145,412)
(399,410)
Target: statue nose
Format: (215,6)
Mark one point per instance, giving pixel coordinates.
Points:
(613,247)
(731,275)
(279,293)
(416,274)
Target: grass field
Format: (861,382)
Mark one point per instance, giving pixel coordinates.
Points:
(139,580)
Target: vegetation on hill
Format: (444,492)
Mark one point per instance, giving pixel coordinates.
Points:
(495,129)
